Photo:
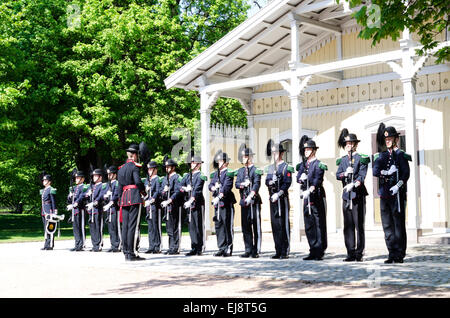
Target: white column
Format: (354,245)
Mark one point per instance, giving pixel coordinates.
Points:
(296,108)
(251,132)
(413,221)
(205,119)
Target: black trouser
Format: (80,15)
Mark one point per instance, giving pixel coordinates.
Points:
(96,230)
(154,228)
(281,230)
(316,226)
(173,226)
(113,228)
(79,229)
(354,220)
(224,226)
(251,228)
(130,229)
(394,225)
(49,239)
(196,228)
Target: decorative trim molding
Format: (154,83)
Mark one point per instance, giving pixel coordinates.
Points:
(365,105)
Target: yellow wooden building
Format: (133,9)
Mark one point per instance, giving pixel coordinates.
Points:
(298,67)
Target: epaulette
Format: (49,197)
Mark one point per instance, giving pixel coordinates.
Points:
(323,166)
(231,173)
(160,179)
(211,176)
(365,159)
(52,190)
(338,161)
(203,177)
(407,156)
(104,185)
(375,156)
(290,169)
(85,187)
(180,178)
(143,180)
(41,191)
(297,167)
(185,174)
(137,164)
(259,171)
(120,167)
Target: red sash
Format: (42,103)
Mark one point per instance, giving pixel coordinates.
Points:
(125,188)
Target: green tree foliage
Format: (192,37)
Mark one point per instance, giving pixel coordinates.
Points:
(387,19)
(81,80)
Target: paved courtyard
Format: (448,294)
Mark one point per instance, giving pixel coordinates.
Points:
(26,271)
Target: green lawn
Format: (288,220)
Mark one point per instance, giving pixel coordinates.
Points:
(29,228)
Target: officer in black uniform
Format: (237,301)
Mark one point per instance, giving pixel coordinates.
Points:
(194,202)
(248,181)
(352,170)
(111,208)
(94,206)
(391,167)
(223,201)
(48,207)
(278,181)
(172,202)
(310,176)
(130,188)
(76,201)
(153,209)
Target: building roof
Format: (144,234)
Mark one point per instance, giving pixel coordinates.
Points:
(262,43)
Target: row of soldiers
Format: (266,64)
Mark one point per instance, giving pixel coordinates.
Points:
(125,194)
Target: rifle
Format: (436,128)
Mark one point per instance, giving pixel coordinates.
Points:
(248,190)
(72,176)
(216,192)
(302,154)
(351,178)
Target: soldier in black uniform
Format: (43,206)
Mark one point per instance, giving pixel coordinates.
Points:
(391,167)
(76,201)
(130,189)
(221,186)
(352,170)
(48,207)
(248,182)
(192,185)
(278,181)
(310,176)
(111,208)
(153,209)
(172,201)
(94,206)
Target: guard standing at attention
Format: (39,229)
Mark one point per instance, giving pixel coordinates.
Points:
(278,181)
(310,176)
(248,181)
(352,170)
(130,188)
(391,167)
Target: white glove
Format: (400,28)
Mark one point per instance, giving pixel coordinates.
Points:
(88,193)
(305,194)
(165,203)
(303,177)
(187,188)
(75,204)
(147,188)
(147,203)
(246,183)
(166,188)
(90,205)
(348,170)
(249,199)
(107,194)
(215,200)
(217,185)
(274,177)
(392,170)
(349,187)
(70,194)
(275,197)
(106,207)
(188,203)
(69,207)
(394,190)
